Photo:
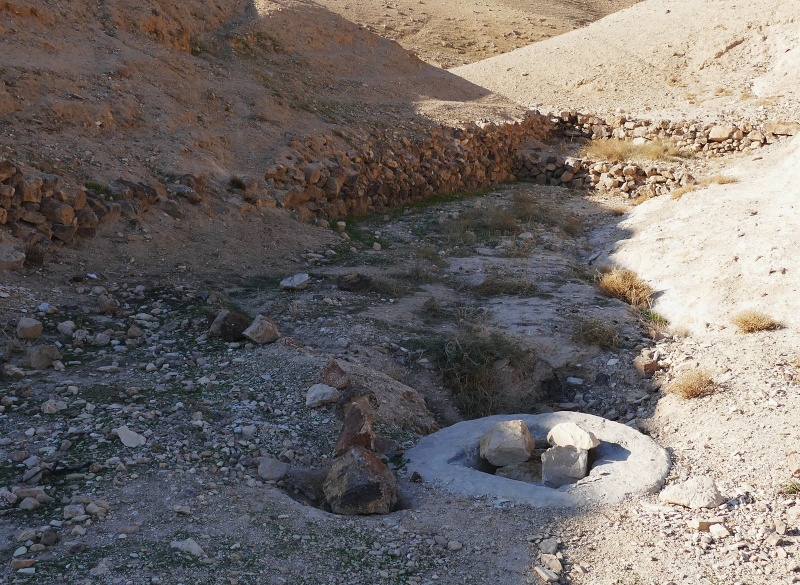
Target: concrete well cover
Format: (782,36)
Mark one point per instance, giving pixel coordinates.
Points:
(625,463)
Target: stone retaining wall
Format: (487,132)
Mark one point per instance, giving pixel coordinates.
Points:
(349,174)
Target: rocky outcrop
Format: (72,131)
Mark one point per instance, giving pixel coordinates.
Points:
(359,482)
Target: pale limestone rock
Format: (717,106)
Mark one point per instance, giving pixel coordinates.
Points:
(270,469)
(129,438)
(262,330)
(698,492)
(793,461)
(552,563)
(320,394)
(296,282)
(28,328)
(507,443)
(571,435)
(188,546)
(718,531)
(564,465)
(793,516)
(545,575)
(720,133)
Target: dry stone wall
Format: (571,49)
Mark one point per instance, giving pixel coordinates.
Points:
(319,178)
(348,173)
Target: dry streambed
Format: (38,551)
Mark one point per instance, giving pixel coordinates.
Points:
(482,304)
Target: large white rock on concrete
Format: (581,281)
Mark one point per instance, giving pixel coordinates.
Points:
(507,443)
(697,492)
(571,435)
(564,465)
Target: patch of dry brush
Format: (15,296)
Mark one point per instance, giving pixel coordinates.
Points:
(625,285)
(752,321)
(692,384)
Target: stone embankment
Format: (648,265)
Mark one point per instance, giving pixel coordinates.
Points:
(352,174)
(319,178)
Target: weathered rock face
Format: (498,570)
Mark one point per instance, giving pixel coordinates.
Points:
(359,483)
(571,435)
(564,465)
(262,330)
(232,327)
(358,422)
(130,438)
(42,356)
(28,328)
(697,492)
(507,443)
(334,375)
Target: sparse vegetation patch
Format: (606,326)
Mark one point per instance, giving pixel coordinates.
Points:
(625,285)
(752,321)
(592,331)
(692,384)
(614,149)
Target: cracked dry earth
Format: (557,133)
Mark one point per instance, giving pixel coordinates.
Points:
(188,505)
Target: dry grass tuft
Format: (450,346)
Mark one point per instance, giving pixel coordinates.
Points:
(618,209)
(467,363)
(614,149)
(791,488)
(528,210)
(752,321)
(625,285)
(718,180)
(681,191)
(591,331)
(692,384)
(495,285)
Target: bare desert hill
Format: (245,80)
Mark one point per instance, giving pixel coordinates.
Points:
(661,58)
(137,90)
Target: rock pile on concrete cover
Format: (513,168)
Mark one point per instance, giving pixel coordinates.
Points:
(359,482)
(509,446)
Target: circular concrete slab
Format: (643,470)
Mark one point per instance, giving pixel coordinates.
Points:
(625,463)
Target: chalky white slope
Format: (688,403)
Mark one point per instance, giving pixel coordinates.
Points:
(726,248)
(666,57)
